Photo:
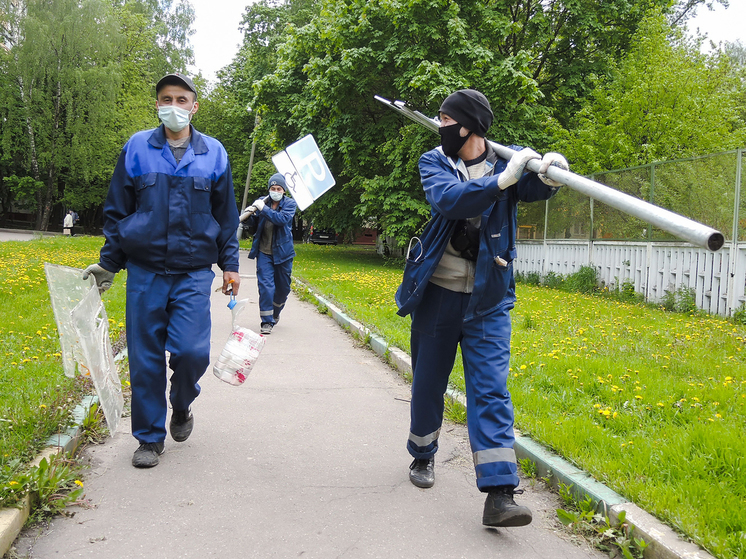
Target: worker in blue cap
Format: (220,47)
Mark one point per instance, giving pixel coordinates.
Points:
(169,215)
(273,250)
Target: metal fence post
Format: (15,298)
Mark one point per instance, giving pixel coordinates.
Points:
(733,266)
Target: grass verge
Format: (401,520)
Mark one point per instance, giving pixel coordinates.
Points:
(36,398)
(652,403)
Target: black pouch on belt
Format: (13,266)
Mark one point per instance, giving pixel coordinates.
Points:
(465,239)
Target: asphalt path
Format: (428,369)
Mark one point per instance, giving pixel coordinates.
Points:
(306,459)
(18,235)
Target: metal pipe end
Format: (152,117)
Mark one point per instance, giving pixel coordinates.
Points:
(715,241)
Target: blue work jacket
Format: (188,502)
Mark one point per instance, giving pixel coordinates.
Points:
(167,217)
(282,238)
(452,197)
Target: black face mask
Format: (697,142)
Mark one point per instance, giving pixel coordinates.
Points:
(451,139)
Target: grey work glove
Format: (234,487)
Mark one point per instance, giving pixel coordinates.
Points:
(552,158)
(258,204)
(515,167)
(103,277)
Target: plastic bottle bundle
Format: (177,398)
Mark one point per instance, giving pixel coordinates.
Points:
(241,351)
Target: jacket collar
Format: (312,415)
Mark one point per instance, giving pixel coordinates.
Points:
(158,139)
(460,166)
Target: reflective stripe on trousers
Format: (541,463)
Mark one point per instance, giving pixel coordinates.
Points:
(273,282)
(437,330)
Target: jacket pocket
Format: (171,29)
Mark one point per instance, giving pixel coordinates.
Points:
(145,187)
(201,191)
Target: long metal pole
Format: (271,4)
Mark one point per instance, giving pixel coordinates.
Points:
(678,225)
(251,164)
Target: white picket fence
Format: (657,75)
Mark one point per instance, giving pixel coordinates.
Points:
(717,278)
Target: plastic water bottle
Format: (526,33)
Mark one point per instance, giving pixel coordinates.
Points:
(238,356)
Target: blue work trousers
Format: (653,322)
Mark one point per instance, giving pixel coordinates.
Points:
(438,327)
(273,281)
(165,313)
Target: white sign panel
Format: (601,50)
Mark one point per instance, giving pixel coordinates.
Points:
(306,173)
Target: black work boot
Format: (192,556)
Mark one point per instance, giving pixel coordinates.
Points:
(422,472)
(500,508)
(182,423)
(147,455)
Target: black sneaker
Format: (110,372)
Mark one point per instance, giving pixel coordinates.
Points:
(182,423)
(501,510)
(147,455)
(422,472)
(266,328)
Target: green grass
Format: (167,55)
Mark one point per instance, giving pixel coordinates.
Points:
(36,398)
(650,402)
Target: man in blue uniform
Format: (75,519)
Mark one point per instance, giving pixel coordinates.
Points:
(170,214)
(458,284)
(273,249)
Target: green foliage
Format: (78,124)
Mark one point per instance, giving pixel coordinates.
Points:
(314,67)
(93,427)
(76,82)
(454,410)
(54,484)
(626,292)
(682,300)
(664,100)
(739,315)
(25,190)
(36,398)
(584,280)
(531,278)
(528,467)
(582,518)
(553,280)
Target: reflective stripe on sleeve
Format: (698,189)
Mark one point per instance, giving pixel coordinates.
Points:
(426,440)
(494,455)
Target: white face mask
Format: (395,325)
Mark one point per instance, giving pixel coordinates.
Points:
(276,196)
(174,118)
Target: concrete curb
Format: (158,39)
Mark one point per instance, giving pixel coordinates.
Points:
(663,542)
(12,520)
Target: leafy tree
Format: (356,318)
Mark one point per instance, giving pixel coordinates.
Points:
(532,59)
(666,100)
(78,79)
(65,86)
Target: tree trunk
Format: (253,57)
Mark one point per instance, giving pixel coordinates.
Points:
(51,191)
(32,150)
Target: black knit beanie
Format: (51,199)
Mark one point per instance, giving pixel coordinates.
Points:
(470,109)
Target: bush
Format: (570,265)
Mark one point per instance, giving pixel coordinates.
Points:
(554,280)
(584,280)
(681,300)
(531,278)
(626,292)
(739,315)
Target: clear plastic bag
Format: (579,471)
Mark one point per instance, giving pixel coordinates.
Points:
(241,351)
(84,336)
